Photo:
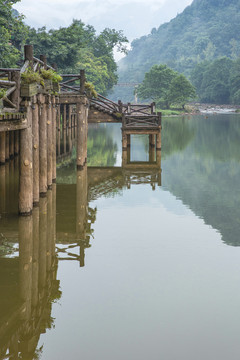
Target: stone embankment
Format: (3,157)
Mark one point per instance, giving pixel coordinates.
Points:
(216,109)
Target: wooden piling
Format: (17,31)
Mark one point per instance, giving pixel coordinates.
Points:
(54,139)
(64,129)
(26,168)
(49,142)
(128,140)
(159,141)
(152,140)
(35,129)
(28,54)
(81,131)
(42,147)
(124,140)
(58,129)
(2,148)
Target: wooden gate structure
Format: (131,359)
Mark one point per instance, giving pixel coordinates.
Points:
(33,126)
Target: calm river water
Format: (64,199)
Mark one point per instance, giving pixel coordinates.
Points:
(148,261)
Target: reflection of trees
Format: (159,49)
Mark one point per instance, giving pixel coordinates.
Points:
(205,176)
(218,138)
(176,135)
(101,148)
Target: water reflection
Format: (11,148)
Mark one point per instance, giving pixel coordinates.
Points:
(28,284)
(204,170)
(199,168)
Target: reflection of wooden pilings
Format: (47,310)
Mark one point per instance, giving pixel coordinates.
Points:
(35,259)
(82,203)
(49,230)
(158,160)
(16,143)
(42,241)
(49,142)
(25,263)
(159,142)
(35,129)
(43,147)
(7,146)
(11,144)
(151,153)
(26,171)
(54,199)
(81,209)
(2,189)
(152,140)
(2,147)
(81,133)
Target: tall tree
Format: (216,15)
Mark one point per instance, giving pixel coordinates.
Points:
(11,26)
(166,87)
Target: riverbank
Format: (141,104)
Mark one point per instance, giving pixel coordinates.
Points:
(198,108)
(215,109)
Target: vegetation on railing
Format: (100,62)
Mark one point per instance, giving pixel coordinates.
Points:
(90,90)
(3,93)
(31,77)
(51,75)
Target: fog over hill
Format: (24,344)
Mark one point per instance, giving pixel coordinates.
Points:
(205,30)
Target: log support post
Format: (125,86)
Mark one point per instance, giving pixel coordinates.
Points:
(54,139)
(124,140)
(26,167)
(49,142)
(42,146)
(35,128)
(159,141)
(64,128)
(81,132)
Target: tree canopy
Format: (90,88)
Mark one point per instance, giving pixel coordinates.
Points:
(166,87)
(71,48)
(218,81)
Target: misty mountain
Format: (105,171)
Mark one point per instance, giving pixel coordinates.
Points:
(205,30)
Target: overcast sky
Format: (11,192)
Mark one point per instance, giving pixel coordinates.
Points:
(134,17)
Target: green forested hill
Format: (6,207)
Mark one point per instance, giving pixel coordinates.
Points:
(205,30)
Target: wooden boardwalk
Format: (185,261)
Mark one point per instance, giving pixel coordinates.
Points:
(33,124)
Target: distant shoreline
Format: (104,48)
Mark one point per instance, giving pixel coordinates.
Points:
(216,109)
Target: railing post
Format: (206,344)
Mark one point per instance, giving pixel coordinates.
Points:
(120,106)
(82,81)
(28,54)
(129,108)
(159,114)
(15,96)
(54,65)
(153,108)
(43,58)
(26,168)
